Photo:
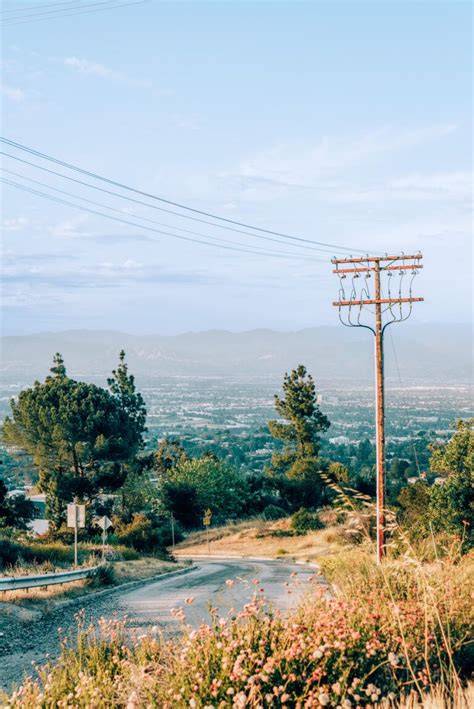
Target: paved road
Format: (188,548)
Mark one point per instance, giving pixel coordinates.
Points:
(283,585)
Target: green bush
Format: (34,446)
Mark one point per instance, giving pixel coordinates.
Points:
(56,552)
(305,521)
(272,512)
(118,552)
(10,553)
(143,535)
(103,576)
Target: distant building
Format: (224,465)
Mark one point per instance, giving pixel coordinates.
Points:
(339,439)
(39,524)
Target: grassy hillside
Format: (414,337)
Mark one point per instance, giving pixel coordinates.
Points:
(399,635)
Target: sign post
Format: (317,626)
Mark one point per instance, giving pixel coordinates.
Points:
(104,523)
(172,530)
(76,518)
(207,523)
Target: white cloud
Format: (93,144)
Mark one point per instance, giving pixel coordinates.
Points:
(88,68)
(13,93)
(305,164)
(15,224)
(72,227)
(84,66)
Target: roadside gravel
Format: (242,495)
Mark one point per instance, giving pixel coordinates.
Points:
(226,584)
(35,631)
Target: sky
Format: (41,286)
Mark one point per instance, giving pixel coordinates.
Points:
(346,123)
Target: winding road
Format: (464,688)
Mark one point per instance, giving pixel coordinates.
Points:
(221,583)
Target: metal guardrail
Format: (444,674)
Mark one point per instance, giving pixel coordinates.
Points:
(11,583)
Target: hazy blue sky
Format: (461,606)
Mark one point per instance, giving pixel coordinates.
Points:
(345,122)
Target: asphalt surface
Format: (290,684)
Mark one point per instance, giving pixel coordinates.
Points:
(281,583)
(224,584)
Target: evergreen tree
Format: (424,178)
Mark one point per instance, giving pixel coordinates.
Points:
(16,511)
(122,386)
(80,436)
(302,427)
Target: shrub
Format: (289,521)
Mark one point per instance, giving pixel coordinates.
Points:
(181,499)
(272,512)
(10,553)
(49,554)
(143,535)
(276,533)
(103,576)
(305,521)
(119,552)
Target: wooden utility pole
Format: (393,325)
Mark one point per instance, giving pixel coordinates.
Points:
(356,302)
(380,417)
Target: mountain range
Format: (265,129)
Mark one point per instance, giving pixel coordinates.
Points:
(414,352)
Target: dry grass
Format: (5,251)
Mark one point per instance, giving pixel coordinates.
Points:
(437,699)
(260,538)
(402,640)
(123,571)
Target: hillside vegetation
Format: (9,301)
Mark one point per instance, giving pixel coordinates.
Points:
(388,636)
(385,635)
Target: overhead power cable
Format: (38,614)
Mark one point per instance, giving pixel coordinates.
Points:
(163,209)
(71,6)
(220,244)
(26,8)
(120,185)
(404,398)
(135,216)
(67,12)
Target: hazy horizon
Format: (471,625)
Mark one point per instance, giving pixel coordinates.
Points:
(437,353)
(412,324)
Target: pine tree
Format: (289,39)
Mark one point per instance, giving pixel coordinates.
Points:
(122,386)
(58,368)
(81,437)
(302,427)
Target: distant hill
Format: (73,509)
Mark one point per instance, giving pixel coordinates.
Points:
(425,353)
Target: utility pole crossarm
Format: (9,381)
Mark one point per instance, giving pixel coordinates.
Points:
(367,269)
(369,259)
(378,301)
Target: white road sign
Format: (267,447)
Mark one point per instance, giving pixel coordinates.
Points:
(76,516)
(104,523)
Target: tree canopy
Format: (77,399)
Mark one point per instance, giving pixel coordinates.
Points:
(218,486)
(452,502)
(302,425)
(15,511)
(80,436)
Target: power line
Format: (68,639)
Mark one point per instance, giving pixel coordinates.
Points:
(402,388)
(74,4)
(152,221)
(59,14)
(162,209)
(147,228)
(36,7)
(95,176)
